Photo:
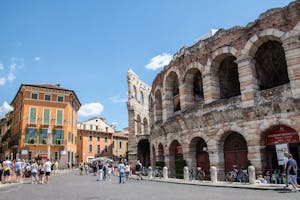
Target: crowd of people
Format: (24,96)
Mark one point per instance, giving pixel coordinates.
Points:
(36,170)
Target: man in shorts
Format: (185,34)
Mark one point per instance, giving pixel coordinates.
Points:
(18,166)
(7,167)
(48,165)
(291,172)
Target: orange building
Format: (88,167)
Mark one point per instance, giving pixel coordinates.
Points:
(44,123)
(94,139)
(120,147)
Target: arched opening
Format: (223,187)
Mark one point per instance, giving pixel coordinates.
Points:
(176,160)
(153,156)
(158,106)
(193,85)
(146,129)
(160,152)
(235,151)
(172,93)
(277,140)
(141,98)
(134,92)
(270,65)
(199,155)
(143,152)
(228,78)
(139,125)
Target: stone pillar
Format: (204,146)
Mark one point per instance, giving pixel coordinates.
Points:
(210,88)
(248,79)
(150,172)
(165,173)
(186,173)
(213,174)
(291,47)
(251,173)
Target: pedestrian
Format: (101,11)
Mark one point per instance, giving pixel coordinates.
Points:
(18,168)
(109,171)
(55,167)
(121,169)
(100,171)
(33,168)
(86,168)
(6,170)
(127,171)
(81,167)
(138,169)
(41,169)
(104,171)
(48,165)
(291,172)
(285,161)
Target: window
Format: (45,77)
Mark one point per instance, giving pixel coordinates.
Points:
(98,148)
(98,138)
(84,126)
(55,155)
(105,139)
(31,136)
(59,117)
(33,116)
(97,128)
(58,137)
(46,116)
(106,129)
(69,136)
(91,138)
(47,97)
(75,140)
(91,127)
(34,96)
(80,138)
(43,136)
(90,148)
(106,149)
(72,138)
(120,145)
(60,98)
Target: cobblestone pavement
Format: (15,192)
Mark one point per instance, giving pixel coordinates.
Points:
(72,186)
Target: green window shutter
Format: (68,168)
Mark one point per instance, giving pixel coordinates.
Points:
(59,117)
(32,117)
(46,116)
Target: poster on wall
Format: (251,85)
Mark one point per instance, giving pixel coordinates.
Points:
(280,149)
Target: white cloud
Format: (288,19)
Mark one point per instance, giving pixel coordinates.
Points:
(159,61)
(1,67)
(2,81)
(90,109)
(118,99)
(37,58)
(5,108)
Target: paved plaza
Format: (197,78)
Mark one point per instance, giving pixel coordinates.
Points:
(72,186)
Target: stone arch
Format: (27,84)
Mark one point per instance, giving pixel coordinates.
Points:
(146,126)
(160,153)
(235,150)
(275,134)
(199,154)
(171,94)
(138,125)
(224,74)
(157,106)
(267,51)
(143,152)
(175,156)
(193,86)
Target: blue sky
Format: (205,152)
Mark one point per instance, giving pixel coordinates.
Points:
(88,46)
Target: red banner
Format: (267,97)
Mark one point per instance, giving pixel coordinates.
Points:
(282,135)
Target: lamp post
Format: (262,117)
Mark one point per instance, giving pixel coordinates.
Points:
(49,141)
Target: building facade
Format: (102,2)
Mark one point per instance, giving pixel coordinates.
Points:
(5,133)
(231,99)
(120,147)
(44,123)
(95,139)
(138,119)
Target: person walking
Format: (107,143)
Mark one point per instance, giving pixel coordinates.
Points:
(18,167)
(34,168)
(285,161)
(100,171)
(6,170)
(81,165)
(121,169)
(291,172)
(41,169)
(48,165)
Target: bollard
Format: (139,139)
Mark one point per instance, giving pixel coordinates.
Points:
(150,172)
(213,174)
(186,173)
(251,174)
(165,173)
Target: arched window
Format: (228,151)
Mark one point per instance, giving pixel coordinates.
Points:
(134,93)
(158,106)
(270,65)
(172,92)
(145,122)
(139,125)
(141,98)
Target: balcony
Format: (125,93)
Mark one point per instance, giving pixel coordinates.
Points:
(58,142)
(31,141)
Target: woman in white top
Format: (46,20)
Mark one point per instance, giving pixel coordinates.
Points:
(33,168)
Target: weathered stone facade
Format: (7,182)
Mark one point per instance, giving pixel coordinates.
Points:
(221,97)
(138,119)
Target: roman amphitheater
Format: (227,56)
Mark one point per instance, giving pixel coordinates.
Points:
(228,100)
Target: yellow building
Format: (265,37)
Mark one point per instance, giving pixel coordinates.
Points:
(44,123)
(120,141)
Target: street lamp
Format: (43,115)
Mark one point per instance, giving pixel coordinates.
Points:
(49,141)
